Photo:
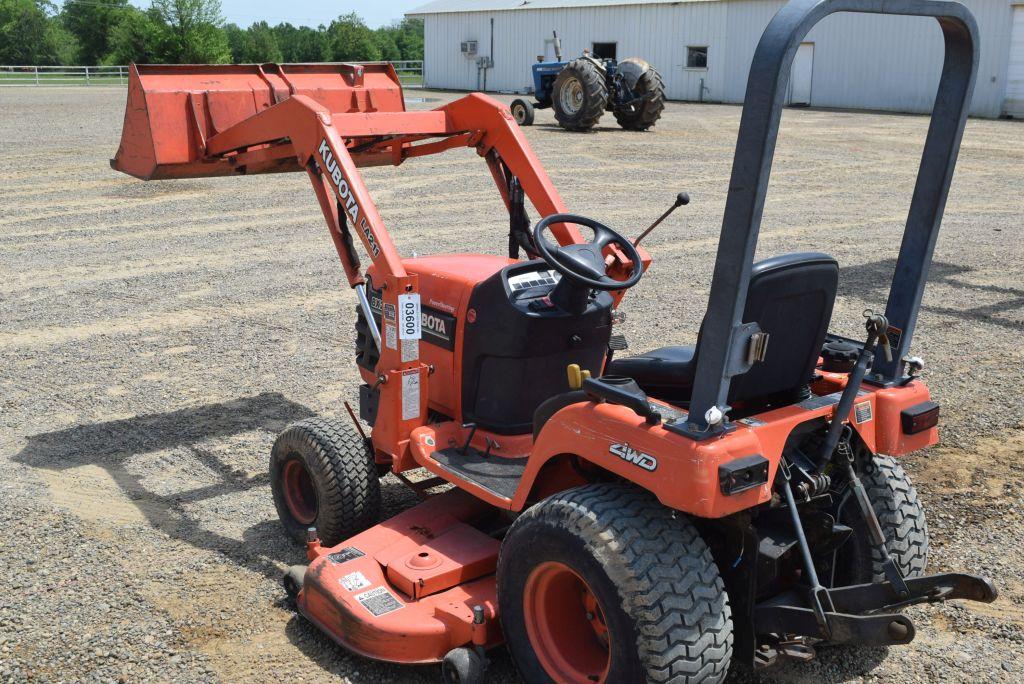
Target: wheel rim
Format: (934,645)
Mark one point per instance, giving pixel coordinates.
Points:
(519,113)
(566,625)
(299,492)
(571,96)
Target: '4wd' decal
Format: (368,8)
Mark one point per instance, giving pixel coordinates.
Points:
(631,455)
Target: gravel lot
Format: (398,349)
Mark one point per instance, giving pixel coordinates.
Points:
(155,337)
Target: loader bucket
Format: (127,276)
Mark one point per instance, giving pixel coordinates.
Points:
(173,110)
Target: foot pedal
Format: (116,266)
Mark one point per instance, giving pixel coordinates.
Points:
(617,343)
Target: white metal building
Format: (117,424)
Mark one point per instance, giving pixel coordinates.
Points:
(703,49)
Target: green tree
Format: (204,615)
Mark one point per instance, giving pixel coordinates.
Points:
(351,40)
(92,24)
(263,45)
(302,44)
(30,35)
(238,43)
(255,45)
(136,37)
(193,31)
(386,44)
(410,38)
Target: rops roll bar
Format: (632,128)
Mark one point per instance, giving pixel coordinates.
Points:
(725,337)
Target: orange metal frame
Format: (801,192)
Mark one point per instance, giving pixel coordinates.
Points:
(329,120)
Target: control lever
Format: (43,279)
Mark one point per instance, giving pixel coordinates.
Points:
(875,325)
(622,391)
(681,199)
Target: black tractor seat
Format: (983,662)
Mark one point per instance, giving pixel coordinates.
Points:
(791,298)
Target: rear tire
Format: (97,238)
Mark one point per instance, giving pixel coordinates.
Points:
(579,95)
(322,475)
(522,112)
(641,115)
(603,580)
(899,512)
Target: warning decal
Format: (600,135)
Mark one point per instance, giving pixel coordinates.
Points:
(410,394)
(379,601)
(354,580)
(862,412)
(346,554)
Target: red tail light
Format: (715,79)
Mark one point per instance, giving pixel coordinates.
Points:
(920,417)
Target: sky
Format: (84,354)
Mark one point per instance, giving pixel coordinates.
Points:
(310,12)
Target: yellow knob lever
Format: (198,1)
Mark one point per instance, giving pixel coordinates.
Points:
(576,376)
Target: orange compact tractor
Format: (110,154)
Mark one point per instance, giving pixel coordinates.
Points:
(612,519)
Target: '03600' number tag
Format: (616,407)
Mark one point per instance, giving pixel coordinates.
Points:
(410,319)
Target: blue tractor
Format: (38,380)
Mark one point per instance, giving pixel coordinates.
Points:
(583,89)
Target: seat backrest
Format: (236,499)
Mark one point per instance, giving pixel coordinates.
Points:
(791,297)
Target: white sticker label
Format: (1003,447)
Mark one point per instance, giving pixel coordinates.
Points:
(390,335)
(410,318)
(410,394)
(354,580)
(410,350)
(378,601)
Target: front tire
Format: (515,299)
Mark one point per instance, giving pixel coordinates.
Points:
(579,95)
(322,475)
(522,112)
(899,512)
(603,583)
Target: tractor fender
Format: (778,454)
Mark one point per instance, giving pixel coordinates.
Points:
(630,70)
(681,472)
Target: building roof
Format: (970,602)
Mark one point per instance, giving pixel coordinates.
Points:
(445,6)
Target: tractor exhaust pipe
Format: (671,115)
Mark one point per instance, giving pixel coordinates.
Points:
(557,42)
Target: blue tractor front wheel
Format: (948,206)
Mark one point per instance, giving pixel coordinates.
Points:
(522,112)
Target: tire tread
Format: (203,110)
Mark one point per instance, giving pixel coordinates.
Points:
(352,499)
(666,577)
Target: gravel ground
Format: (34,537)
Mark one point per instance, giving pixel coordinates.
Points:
(155,337)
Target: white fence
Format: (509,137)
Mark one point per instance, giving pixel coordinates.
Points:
(410,72)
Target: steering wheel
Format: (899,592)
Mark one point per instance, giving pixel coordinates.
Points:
(584,262)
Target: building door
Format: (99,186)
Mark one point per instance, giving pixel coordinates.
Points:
(1014,104)
(800,80)
(604,50)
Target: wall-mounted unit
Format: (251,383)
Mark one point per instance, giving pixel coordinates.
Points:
(469,48)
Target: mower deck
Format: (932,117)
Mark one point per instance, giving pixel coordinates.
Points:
(404,590)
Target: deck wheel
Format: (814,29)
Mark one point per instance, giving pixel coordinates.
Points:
(463,666)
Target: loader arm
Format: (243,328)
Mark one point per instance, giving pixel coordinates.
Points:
(328,120)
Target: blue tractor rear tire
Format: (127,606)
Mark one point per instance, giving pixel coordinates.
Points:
(579,95)
(645,111)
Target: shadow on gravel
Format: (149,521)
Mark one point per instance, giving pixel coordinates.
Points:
(110,444)
(834,664)
(874,278)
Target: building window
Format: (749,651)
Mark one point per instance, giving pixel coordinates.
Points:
(604,50)
(697,57)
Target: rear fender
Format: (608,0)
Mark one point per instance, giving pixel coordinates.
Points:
(682,473)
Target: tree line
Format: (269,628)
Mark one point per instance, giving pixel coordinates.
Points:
(92,32)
